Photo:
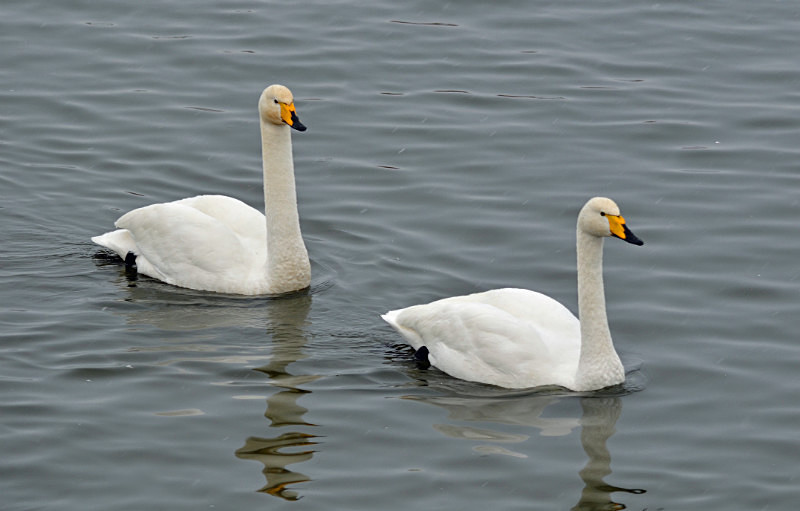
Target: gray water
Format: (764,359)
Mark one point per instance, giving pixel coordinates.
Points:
(450,146)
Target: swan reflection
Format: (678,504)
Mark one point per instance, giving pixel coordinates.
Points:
(199,320)
(268,452)
(176,309)
(597,425)
(597,422)
(286,320)
(514,410)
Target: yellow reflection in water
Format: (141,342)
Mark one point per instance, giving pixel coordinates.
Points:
(268,452)
(286,326)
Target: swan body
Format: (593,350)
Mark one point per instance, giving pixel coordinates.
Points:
(218,243)
(517,338)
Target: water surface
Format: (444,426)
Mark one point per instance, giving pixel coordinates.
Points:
(450,146)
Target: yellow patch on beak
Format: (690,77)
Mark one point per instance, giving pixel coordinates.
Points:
(288,113)
(616,224)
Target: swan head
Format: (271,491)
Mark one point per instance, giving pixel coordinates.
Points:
(601,217)
(276,106)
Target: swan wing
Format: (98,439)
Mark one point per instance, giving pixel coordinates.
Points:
(512,338)
(244,220)
(182,245)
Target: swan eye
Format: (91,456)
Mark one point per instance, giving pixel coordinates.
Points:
(602,213)
(275,101)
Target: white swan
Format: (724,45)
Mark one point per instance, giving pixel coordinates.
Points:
(218,243)
(516,338)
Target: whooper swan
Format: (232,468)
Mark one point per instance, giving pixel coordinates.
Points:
(218,243)
(516,338)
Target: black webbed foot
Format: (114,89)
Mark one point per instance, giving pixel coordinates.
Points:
(421,356)
(130,260)
(130,266)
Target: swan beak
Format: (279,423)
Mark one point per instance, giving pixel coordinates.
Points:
(289,116)
(620,230)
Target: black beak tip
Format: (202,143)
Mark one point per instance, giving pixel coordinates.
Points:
(630,237)
(296,124)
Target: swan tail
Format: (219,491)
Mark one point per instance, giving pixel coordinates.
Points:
(410,335)
(391,317)
(119,241)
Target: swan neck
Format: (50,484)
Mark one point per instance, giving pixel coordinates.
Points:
(288,268)
(599,364)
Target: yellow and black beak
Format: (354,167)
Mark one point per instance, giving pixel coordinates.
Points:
(619,230)
(289,116)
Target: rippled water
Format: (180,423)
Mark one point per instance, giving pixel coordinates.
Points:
(450,146)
